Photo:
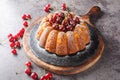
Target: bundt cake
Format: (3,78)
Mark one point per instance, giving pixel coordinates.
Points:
(63,33)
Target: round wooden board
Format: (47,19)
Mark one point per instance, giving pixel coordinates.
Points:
(58,69)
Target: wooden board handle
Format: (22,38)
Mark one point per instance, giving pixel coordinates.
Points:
(94,12)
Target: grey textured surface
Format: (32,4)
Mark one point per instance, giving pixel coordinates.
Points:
(107,68)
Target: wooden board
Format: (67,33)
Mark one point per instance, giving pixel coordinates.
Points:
(58,69)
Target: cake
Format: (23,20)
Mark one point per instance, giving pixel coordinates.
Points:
(63,33)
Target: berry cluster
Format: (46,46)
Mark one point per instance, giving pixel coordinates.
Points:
(47,8)
(26,17)
(13,39)
(64,22)
(34,75)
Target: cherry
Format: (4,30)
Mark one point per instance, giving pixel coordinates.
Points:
(17,44)
(64,6)
(12,44)
(69,27)
(24,17)
(51,20)
(43,78)
(28,64)
(25,23)
(59,20)
(61,27)
(14,51)
(64,22)
(28,71)
(62,15)
(48,75)
(34,76)
(77,20)
(72,22)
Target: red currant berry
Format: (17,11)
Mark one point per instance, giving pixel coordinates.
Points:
(64,6)
(28,16)
(17,44)
(46,9)
(11,39)
(25,23)
(22,30)
(14,51)
(10,35)
(28,64)
(48,76)
(12,44)
(24,17)
(34,76)
(28,71)
(43,78)
(48,5)
(16,37)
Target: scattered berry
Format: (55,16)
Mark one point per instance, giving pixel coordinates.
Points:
(11,39)
(16,37)
(10,35)
(28,64)
(48,76)
(12,44)
(64,6)
(48,5)
(34,76)
(28,16)
(47,8)
(25,23)
(24,17)
(43,78)
(14,51)
(17,44)
(28,71)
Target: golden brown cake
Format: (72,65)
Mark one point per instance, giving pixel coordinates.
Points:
(63,33)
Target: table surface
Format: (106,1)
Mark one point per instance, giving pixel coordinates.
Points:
(107,68)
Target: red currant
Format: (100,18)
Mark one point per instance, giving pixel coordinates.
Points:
(16,37)
(24,17)
(28,71)
(77,20)
(28,16)
(17,44)
(34,76)
(14,51)
(46,9)
(48,5)
(43,78)
(64,6)
(11,39)
(25,23)
(48,76)
(10,35)
(12,44)
(28,64)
